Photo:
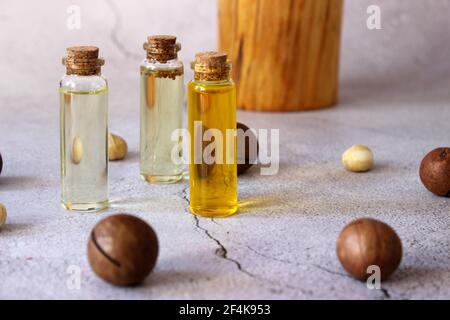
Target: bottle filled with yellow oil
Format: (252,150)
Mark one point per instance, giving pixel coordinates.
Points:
(84,131)
(212,128)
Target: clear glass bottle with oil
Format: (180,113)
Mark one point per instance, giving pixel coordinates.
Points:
(84,131)
(162,110)
(212,128)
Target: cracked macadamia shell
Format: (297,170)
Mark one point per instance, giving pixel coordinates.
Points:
(123,250)
(368,242)
(435,172)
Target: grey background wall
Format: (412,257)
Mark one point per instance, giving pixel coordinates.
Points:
(412,45)
(407,60)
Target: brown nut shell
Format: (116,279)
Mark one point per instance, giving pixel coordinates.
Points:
(435,172)
(246,138)
(368,242)
(123,250)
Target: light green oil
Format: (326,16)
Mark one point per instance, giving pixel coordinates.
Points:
(84,149)
(162,100)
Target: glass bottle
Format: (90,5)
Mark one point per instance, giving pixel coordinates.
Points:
(162,110)
(212,128)
(84,131)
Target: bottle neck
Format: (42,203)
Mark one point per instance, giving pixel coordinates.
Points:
(159,61)
(162,57)
(162,54)
(83,67)
(85,73)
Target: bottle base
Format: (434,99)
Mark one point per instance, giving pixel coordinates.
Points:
(214,212)
(86,207)
(162,179)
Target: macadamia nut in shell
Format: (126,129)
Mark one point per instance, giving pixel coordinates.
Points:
(122,250)
(367,243)
(435,172)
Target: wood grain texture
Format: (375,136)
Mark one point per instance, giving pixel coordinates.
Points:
(285,53)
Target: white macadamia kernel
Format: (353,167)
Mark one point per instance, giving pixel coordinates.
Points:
(117,147)
(358,158)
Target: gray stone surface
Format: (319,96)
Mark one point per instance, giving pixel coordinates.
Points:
(394,97)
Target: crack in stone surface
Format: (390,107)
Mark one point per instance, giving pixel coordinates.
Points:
(285,261)
(215,222)
(222,253)
(273,258)
(115,32)
(184,195)
(336,273)
(384,291)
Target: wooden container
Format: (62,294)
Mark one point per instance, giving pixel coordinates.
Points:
(285,53)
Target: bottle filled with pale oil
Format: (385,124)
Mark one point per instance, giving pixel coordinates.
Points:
(162,110)
(212,128)
(84,131)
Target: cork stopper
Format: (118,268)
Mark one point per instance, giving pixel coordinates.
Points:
(211,66)
(162,48)
(83,61)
